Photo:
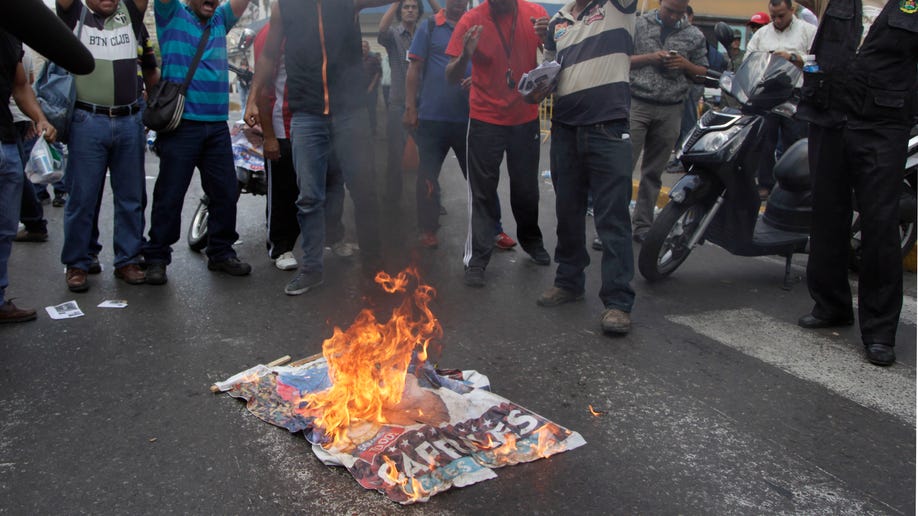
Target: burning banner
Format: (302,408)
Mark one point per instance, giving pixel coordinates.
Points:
(373,404)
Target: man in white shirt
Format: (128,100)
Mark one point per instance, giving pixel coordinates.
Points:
(788,37)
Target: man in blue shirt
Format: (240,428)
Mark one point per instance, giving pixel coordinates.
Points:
(202,138)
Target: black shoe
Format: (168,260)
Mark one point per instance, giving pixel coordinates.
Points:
(810,321)
(94,266)
(639,237)
(233,266)
(540,256)
(474,277)
(880,354)
(59,200)
(597,244)
(156,274)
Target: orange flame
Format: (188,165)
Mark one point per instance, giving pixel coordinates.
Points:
(409,485)
(596,413)
(368,361)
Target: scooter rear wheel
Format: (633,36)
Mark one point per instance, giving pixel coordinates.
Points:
(197,231)
(666,245)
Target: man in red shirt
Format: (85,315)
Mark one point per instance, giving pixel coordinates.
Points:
(498,38)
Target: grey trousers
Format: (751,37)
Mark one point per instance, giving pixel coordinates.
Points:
(654,130)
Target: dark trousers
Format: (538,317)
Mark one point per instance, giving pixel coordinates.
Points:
(31,213)
(372,101)
(395,150)
(435,139)
(487,144)
(869,162)
(594,159)
(205,146)
(774,129)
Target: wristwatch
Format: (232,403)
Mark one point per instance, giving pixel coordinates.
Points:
(793,58)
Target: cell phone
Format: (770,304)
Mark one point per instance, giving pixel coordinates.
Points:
(673,53)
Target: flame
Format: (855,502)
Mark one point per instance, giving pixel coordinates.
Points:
(409,485)
(596,413)
(368,362)
(546,440)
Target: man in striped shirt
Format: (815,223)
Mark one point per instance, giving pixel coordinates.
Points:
(591,150)
(202,138)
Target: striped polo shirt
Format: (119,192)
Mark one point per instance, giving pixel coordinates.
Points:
(179,30)
(594,50)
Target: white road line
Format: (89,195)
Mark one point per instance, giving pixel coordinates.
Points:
(804,354)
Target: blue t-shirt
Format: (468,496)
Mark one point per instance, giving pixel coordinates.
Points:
(439,100)
(179,30)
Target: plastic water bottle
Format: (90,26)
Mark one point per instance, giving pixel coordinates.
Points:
(809,64)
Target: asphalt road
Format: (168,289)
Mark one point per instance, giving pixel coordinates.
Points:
(716,403)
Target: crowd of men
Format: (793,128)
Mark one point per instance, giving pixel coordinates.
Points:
(626,83)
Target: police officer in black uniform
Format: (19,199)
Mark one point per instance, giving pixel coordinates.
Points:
(860,104)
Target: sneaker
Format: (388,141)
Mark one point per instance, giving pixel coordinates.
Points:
(540,256)
(303,282)
(558,296)
(94,266)
(156,274)
(286,262)
(474,277)
(428,239)
(597,244)
(674,166)
(343,249)
(131,274)
(503,241)
(232,266)
(76,280)
(31,236)
(10,313)
(590,211)
(60,200)
(616,321)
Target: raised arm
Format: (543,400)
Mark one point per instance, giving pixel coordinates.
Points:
(386,21)
(363,4)
(238,7)
(266,65)
(434,6)
(455,70)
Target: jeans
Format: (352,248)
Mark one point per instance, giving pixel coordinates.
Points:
(99,143)
(11,179)
(205,145)
(435,139)
(395,149)
(654,130)
(594,159)
(314,138)
(31,213)
(487,144)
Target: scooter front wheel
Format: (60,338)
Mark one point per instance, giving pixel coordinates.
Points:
(666,245)
(197,232)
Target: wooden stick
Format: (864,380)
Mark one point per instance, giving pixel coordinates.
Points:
(305,360)
(280,361)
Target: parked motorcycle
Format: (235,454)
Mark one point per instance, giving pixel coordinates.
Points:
(248,157)
(717,199)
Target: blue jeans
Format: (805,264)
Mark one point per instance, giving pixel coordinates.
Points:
(205,145)
(314,138)
(99,143)
(11,179)
(597,159)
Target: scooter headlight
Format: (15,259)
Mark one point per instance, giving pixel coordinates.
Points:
(714,141)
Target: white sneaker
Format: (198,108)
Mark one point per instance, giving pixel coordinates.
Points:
(286,262)
(343,249)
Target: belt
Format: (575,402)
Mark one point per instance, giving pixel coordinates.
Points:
(110,111)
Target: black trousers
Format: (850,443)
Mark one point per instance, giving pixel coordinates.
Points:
(487,144)
(869,162)
(774,129)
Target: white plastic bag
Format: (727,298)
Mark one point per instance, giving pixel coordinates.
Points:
(47,162)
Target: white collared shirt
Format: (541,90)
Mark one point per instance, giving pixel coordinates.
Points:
(796,38)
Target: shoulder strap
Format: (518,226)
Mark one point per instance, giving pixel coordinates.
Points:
(197,58)
(431,23)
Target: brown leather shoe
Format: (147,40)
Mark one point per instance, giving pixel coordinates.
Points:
(76,280)
(131,274)
(616,321)
(10,313)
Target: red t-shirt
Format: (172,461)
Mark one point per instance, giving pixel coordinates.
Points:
(490,100)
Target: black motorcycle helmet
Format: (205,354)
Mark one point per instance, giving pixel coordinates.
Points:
(724,34)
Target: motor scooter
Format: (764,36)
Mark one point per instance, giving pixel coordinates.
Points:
(717,199)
